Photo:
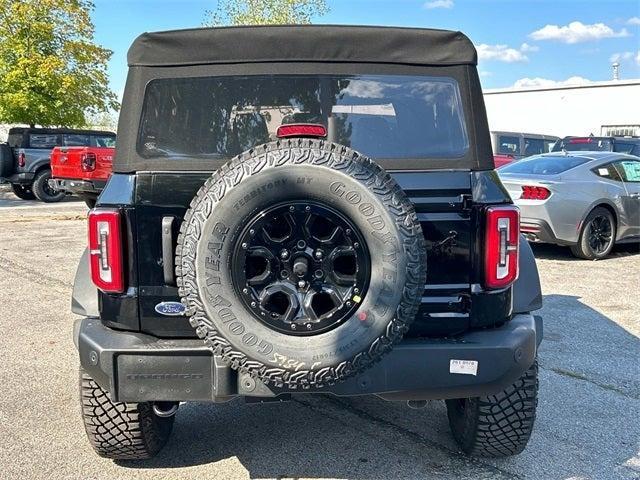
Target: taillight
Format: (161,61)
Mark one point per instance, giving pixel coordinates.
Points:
(22,159)
(530,192)
(301,130)
(501,246)
(88,162)
(105,250)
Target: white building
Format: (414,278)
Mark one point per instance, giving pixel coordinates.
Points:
(599,108)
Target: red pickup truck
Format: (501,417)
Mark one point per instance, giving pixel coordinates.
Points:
(82,171)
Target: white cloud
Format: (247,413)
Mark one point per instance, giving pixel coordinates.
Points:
(439,4)
(525,47)
(621,57)
(577,32)
(633,21)
(545,82)
(500,53)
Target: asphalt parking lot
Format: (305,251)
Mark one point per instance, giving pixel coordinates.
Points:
(588,422)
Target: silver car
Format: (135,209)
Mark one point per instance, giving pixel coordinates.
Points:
(586,200)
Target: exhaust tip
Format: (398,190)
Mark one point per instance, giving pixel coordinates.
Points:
(165,409)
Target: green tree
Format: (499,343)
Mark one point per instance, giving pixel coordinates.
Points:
(51,71)
(265,12)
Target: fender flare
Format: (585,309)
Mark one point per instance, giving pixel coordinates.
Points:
(84,299)
(527,294)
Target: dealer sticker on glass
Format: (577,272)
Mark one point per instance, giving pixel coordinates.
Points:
(464,367)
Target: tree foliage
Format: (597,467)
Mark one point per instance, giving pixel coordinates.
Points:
(265,12)
(51,71)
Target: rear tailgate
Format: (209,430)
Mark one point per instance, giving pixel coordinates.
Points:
(442,202)
(66,162)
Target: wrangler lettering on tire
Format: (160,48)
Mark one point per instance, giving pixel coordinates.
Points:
(274,263)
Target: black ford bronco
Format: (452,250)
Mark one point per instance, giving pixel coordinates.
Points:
(308,209)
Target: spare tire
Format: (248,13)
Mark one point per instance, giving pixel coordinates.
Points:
(301,262)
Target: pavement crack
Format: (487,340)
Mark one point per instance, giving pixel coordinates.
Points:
(33,275)
(584,378)
(414,437)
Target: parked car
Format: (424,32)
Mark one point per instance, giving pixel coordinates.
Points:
(25,161)
(250,243)
(629,145)
(586,200)
(510,146)
(82,171)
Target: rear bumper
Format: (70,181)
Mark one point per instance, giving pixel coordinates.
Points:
(93,187)
(539,231)
(24,178)
(135,367)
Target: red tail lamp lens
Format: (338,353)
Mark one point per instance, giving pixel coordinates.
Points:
(530,192)
(105,250)
(301,130)
(501,246)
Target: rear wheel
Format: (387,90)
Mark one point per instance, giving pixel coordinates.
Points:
(43,191)
(597,235)
(23,192)
(498,425)
(118,430)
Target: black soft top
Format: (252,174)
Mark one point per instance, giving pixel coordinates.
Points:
(303,43)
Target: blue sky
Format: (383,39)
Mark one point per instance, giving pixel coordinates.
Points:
(520,42)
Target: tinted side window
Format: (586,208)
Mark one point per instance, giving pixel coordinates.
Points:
(548,145)
(43,140)
(623,147)
(533,146)
(508,145)
(75,140)
(608,171)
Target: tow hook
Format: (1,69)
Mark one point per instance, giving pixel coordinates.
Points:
(165,409)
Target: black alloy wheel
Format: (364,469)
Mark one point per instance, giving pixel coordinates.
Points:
(599,234)
(301,268)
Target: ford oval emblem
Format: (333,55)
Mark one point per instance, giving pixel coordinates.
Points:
(172,309)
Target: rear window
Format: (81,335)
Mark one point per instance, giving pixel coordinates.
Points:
(108,141)
(75,140)
(389,117)
(586,144)
(543,165)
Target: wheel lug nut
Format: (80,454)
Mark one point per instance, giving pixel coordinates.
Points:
(253,304)
(356,244)
(284,274)
(348,231)
(318,254)
(252,232)
(318,274)
(284,254)
(301,244)
(245,245)
(292,208)
(348,304)
(308,326)
(356,290)
(293,326)
(245,290)
(302,284)
(307,209)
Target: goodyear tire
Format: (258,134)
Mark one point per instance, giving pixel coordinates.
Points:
(317,183)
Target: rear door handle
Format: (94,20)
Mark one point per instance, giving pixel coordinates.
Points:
(167,251)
